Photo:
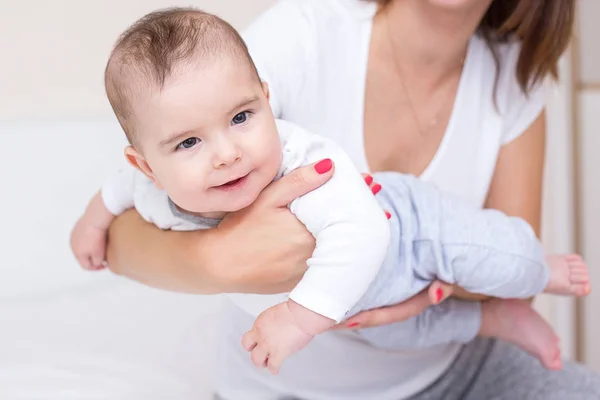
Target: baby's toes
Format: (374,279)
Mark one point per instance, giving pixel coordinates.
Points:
(579,275)
(573,258)
(580,289)
(584,289)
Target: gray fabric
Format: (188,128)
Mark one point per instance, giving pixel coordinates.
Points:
(438,236)
(487,369)
(194,219)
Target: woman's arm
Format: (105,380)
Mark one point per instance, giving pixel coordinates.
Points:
(516,187)
(164,259)
(261,249)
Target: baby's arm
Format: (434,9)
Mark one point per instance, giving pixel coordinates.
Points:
(88,239)
(352,235)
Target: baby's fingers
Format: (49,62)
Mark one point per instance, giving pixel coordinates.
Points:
(259,356)
(274,362)
(97,260)
(249,341)
(85,260)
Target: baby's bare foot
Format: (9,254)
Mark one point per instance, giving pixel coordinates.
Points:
(516,322)
(568,275)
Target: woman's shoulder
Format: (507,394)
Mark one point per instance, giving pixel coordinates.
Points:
(496,63)
(501,57)
(496,71)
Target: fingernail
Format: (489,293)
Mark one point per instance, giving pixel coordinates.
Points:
(376,188)
(353,325)
(388,215)
(439,294)
(323,166)
(369,180)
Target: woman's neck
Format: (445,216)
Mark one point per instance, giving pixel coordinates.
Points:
(429,39)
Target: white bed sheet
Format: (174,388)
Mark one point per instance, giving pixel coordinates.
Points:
(69,334)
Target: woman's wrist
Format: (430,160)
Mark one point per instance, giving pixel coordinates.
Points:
(226,264)
(167,260)
(462,294)
(211,260)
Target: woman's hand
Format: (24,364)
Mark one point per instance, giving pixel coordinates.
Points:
(264,244)
(264,248)
(435,294)
(375,188)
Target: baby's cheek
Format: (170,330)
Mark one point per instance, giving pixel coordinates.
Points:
(185,192)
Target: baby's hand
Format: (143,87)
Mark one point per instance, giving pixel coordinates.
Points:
(88,239)
(275,335)
(88,242)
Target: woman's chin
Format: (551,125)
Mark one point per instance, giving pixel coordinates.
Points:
(455,4)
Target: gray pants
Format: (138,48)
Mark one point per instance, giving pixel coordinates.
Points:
(487,369)
(438,236)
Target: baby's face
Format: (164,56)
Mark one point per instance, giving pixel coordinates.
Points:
(209,138)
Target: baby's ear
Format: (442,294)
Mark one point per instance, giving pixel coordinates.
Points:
(136,159)
(265,87)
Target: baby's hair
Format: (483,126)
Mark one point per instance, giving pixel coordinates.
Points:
(151,49)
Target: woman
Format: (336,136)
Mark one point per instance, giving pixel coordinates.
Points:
(449,90)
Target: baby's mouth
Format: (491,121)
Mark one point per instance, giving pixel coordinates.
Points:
(233,183)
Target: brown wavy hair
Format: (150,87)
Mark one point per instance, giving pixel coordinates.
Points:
(544,28)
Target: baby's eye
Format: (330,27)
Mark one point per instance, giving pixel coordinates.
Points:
(188,143)
(240,118)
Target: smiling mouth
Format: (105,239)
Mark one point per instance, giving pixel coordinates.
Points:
(233,184)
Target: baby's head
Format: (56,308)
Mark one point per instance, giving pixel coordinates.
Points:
(194,110)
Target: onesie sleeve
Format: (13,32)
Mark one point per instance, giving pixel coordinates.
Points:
(350,228)
(118,190)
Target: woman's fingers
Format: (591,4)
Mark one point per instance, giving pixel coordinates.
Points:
(375,188)
(399,312)
(297,183)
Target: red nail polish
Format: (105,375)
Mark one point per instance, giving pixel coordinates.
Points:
(369,180)
(388,215)
(323,166)
(353,325)
(439,293)
(376,188)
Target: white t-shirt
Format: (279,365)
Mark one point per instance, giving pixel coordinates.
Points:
(313,54)
(350,229)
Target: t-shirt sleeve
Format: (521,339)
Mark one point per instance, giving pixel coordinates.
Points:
(279,42)
(519,110)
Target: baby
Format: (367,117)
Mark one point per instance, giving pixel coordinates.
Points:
(205,143)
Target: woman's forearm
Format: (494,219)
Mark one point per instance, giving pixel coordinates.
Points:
(163,259)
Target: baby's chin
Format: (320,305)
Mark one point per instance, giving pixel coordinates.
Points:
(241,201)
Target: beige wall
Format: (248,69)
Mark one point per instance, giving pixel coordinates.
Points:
(589,35)
(589,224)
(586,100)
(53,52)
